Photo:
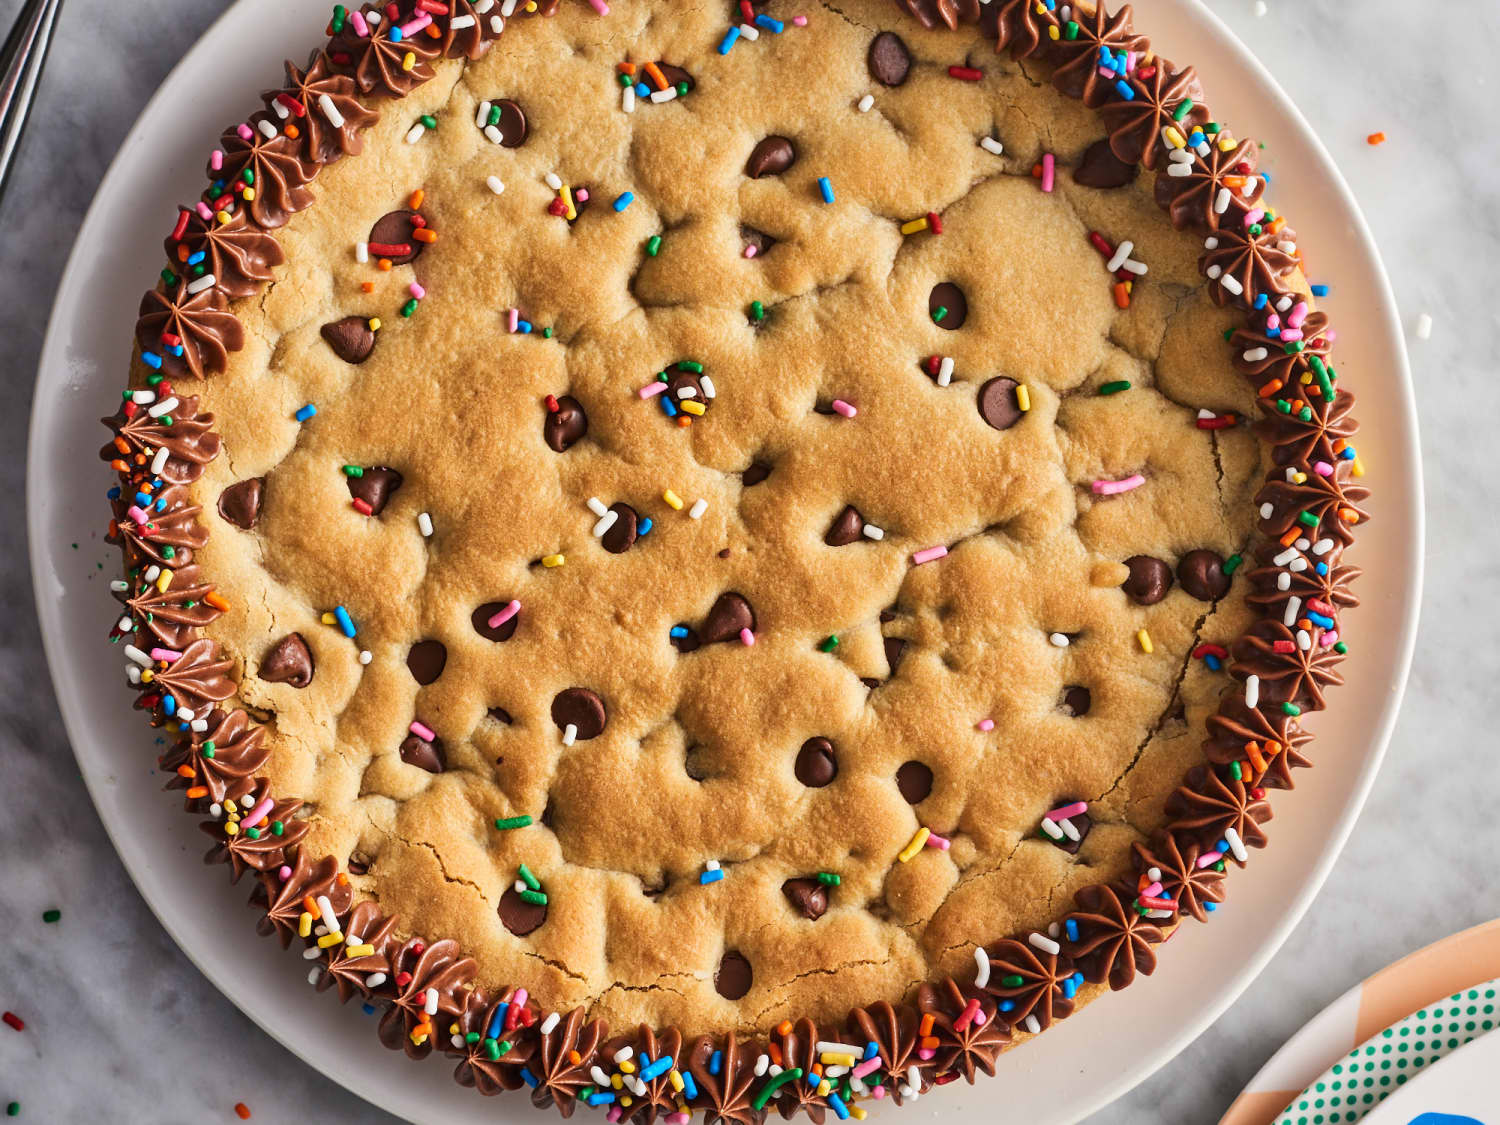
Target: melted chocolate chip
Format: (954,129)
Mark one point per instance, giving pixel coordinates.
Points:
(375,487)
(1201,573)
(358,866)
(622,533)
(869,682)
(808,897)
(997,403)
(730,614)
(350,338)
(427,756)
(426,660)
(500,715)
(733,979)
(1082,822)
(914,780)
(848,527)
(1149,580)
(888,59)
(393,229)
(675,75)
(480,619)
(582,709)
(688,642)
(1101,168)
(512,123)
(565,425)
(771,157)
(755,474)
(1077,700)
(519,916)
(289,661)
(816,766)
(752,236)
(239,504)
(949,300)
(895,649)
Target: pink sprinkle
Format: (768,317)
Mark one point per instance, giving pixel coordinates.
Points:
(676,1119)
(167,654)
(416,290)
(980,1019)
(865,1067)
(926,1054)
(1290,334)
(1153,891)
(581,195)
(216,159)
(1298,314)
(750,250)
(1068,810)
(1254,217)
(135,513)
(941,843)
(357,18)
(518,1001)
(613,1114)
(283,873)
(1328,638)
(1049,171)
(1115,487)
(842,407)
(878,1093)
(245,132)
(258,813)
(747,637)
(1323,469)
(986,724)
(513,319)
(512,608)
(799,21)
(599,6)
(1210,857)
(651,390)
(416,25)
(929,554)
(422,731)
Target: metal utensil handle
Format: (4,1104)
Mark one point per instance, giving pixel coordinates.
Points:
(21,62)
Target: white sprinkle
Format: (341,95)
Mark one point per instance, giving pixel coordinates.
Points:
(835,1071)
(482,115)
(495,184)
(1178,170)
(870,531)
(1252,691)
(761,1064)
(1054,930)
(570,733)
(1221,201)
(482,6)
(184,713)
(1122,252)
(153,572)
(596,1072)
(497,24)
(627,99)
(660,96)
(199,725)
(1032,1025)
(199,284)
(1304,640)
(1293,607)
(432,1002)
(414,134)
(1284,579)
(749,31)
(1050,828)
(1267,510)
(314,974)
(118,585)
(508,9)
(361,252)
(945,371)
(330,111)
(991,145)
(519,885)
(1229,282)
(865,103)
(133,653)
(982,967)
(1285,557)
(375,980)
(605,522)
(1044,943)
(624,1054)
(365,656)
(159,462)
(711,865)
(687,392)
(1254,355)
(373,18)
(280,110)
(553,181)
(1236,845)
(1131,265)
(549,1025)
(461,23)
(494,135)
(829,1047)
(143,398)
(597,506)
(424,525)
(1285,303)
(1059,640)
(267,130)
(166,406)
(1322,546)
(697,510)
(1424,327)
(1070,830)
(708,386)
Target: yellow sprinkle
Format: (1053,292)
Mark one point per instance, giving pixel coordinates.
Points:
(1052,32)
(857,1112)
(1023,397)
(627,1067)
(360,950)
(304,924)
(223,216)
(565,193)
(454,1029)
(1299,478)
(1145,639)
(335,938)
(554,560)
(231,829)
(374,324)
(329,619)
(836,1059)
(164,580)
(823,1088)
(1174,138)
(249,194)
(673,500)
(408,61)
(913,226)
(915,846)
(626,1100)
(675,1079)
(1226,141)
(689,406)
(616,1081)
(1359,467)
(530,6)
(419,1036)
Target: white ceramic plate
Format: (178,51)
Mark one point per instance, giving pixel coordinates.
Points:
(1072,1070)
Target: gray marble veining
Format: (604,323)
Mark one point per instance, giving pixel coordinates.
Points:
(105,991)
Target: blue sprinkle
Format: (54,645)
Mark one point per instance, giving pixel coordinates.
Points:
(1321,568)
(142,499)
(113,493)
(601,1098)
(306,412)
(1319,290)
(625,199)
(151,360)
(528,1078)
(826,188)
(871,1050)
(689,1087)
(1007,1005)
(395,35)
(497,1023)
(1072,927)
(646,526)
(1222,847)
(369,1009)
(1265,176)
(1210,906)
(678,631)
(729,40)
(716,1062)
(1261,300)
(1069,988)
(836,1102)
(710,877)
(169,705)
(766,22)
(161,504)
(1348,454)
(1319,620)
(656,1069)
(1126,90)
(346,623)
(642,90)
(1213,662)
(668,406)
(523,327)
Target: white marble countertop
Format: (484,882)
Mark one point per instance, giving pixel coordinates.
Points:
(1419,862)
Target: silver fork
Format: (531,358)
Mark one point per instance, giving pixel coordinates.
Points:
(21,61)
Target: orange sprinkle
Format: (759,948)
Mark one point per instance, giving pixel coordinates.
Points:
(242,1111)
(367,286)
(424,234)
(1375,139)
(415,202)
(625,67)
(925,1027)
(1291,536)
(291,131)
(213,599)
(182,252)
(119,466)
(310,905)
(186,771)
(1270,388)
(195,792)
(1348,515)
(342,880)
(574,1058)
(684,421)
(784,1027)
(384,264)
(774,1051)
(656,75)
(1122,295)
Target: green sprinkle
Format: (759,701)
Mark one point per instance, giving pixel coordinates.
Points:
(13,1109)
(1341,648)
(791,1074)
(409,308)
(1014,980)
(1184,107)
(471,1038)
(428,120)
(682,89)
(757,311)
(169,552)
(829,644)
(528,878)
(494,117)
(1232,564)
(277,828)
(209,750)
(154,379)
(547,333)
(1235,772)
(691,365)
(653,244)
(536,898)
(507,822)
(829,879)
(171,279)
(1213,128)
(1291,709)
(939,312)
(624,80)
(505,1046)
(1307,519)
(353,471)
(491,1050)
(248,175)
(1115,387)
(253,833)
(50,916)
(1070,30)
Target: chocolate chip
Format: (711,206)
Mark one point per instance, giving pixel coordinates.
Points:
(681,379)
(512,123)
(582,709)
(375,487)
(239,504)
(622,533)
(395,228)
(869,682)
(289,661)
(755,474)
(808,897)
(519,916)
(1081,821)
(1077,700)
(689,641)
(565,425)
(1201,573)
(888,59)
(949,300)
(1101,168)
(357,866)
(426,660)
(771,157)
(427,756)
(816,766)
(729,615)
(997,403)
(501,715)
(480,619)
(848,527)
(732,980)
(914,780)
(752,236)
(895,649)
(350,338)
(1149,580)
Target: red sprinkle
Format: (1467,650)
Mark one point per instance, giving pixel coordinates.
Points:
(242,1111)
(747,10)
(182,221)
(1101,244)
(1220,422)
(1207,649)
(1284,646)
(966,73)
(551,401)
(14,1021)
(390,249)
(362,506)
(934,364)
(1376,139)
(297,108)
(935,222)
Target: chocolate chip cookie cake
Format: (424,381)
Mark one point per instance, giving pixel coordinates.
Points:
(727,557)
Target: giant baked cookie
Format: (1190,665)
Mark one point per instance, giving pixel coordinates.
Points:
(788,536)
